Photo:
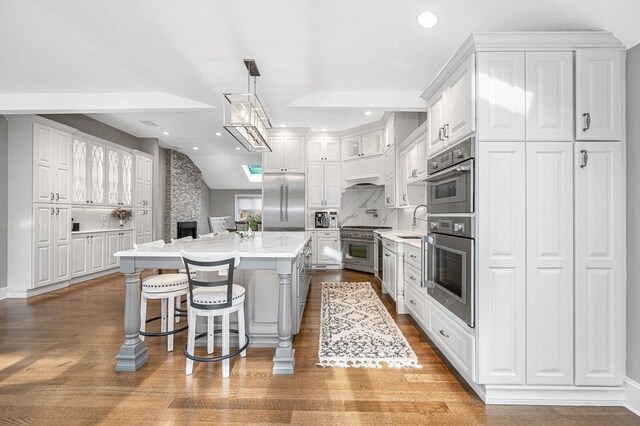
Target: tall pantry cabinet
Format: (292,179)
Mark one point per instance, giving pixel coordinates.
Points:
(550,218)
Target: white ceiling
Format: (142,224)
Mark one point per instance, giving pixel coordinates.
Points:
(323,62)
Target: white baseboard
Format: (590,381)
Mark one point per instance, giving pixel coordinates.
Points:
(633,396)
(26,293)
(4,291)
(555,395)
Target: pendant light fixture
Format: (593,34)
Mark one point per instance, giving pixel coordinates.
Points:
(244,117)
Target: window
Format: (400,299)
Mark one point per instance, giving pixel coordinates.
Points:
(247,204)
(253,172)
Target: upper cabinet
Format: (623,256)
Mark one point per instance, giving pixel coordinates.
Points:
(88,172)
(501,103)
(323,149)
(598,95)
(323,184)
(549,96)
(388,136)
(451,110)
(144,181)
(287,155)
(52,164)
(365,145)
(119,178)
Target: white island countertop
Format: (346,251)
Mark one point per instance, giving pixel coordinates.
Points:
(394,235)
(263,244)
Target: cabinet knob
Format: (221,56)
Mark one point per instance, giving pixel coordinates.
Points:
(443,333)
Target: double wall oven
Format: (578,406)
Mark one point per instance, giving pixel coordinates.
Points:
(450,244)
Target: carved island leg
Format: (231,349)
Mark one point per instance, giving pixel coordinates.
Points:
(283,360)
(133,353)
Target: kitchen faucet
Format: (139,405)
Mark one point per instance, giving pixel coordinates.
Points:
(413,222)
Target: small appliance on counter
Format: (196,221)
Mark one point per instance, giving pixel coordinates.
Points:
(333,220)
(322,219)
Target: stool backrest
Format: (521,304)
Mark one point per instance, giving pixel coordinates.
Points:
(199,263)
(156,243)
(208,236)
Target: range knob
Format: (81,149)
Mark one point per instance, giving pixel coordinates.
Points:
(458,227)
(434,165)
(457,153)
(434,225)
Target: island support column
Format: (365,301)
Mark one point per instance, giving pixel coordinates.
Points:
(133,353)
(284,360)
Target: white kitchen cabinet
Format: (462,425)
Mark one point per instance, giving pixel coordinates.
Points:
(79,246)
(119,177)
(390,193)
(52,165)
(389,137)
(115,242)
(599,76)
(364,168)
(389,279)
(96,259)
(52,238)
(323,149)
(461,102)
(143,226)
(501,91)
(599,252)
(436,110)
(88,171)
(401,178)
(144,181)
(366,145)
(287,155)
(327,249)
(323,185)
(549,96)
(549,221)
(389,159)
(97,154)
(421,157)
(79,180)
(411,169)
(501,263)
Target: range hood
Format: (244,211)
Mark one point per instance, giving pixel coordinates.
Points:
(354,186)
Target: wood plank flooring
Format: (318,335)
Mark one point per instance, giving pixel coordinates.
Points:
(57,367)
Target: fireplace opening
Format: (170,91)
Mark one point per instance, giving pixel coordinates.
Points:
(186,229)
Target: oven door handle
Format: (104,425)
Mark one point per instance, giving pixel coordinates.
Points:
(426,279)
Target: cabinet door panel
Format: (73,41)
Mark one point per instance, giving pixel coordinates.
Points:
(599,320)
(501,113)
(140,184)
(113,176)
(112,248)
(315,185)
(43,163)
(273,161)
(96,260)
(79,245)
(294,155)
(126,185)
(371,144)
(329,250)
(62,170)
(549,96)
(79,182)
(332,185)
(461,104)
(501,263)
(97,174)
(389,164)
(332,150)
(550,263)
(599,94)
(436,119)
(43,238)
(148,181)
(315,151)
(351,147)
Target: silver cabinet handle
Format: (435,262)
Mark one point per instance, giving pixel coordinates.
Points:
(387,255)
(443,333)
(52,196)
(445,130)
(441,133)
(463,168)
(587,117)
(51,211)
(585,158)
(412,302)
(57,211)
(412,277)
(57,196)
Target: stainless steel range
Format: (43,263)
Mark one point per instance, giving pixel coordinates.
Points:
(358,247)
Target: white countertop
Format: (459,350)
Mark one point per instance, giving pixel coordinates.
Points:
(323,229)
(93,231)
(264,244)
(394,235)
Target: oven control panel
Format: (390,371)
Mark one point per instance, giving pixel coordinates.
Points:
(454,155)
(460,226)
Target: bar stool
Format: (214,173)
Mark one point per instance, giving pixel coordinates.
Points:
(211,299)
(167,288)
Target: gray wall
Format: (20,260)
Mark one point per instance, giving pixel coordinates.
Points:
(633,213)
(4,193)
(205,207)
(223,201)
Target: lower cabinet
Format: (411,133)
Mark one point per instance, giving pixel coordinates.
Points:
(117,241)
(94,252)
(143,225)
(52,243)
(389,272)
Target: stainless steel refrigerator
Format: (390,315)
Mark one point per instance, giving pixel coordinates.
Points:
(283,202)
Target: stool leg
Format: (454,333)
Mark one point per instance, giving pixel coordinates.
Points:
(191,340)
(143,315)
(225,344)
(178,305)
(163,316)
(210,334)
(171,311)
(242,338)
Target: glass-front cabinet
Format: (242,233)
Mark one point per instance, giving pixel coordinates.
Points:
(119,178)
(79,172)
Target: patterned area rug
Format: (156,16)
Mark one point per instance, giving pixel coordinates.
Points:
(356,330)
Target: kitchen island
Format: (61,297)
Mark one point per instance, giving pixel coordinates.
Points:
(285,253)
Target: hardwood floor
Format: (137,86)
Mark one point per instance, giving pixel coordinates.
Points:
(57,367)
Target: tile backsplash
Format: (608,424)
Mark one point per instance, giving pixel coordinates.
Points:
(354,204)
(96,218)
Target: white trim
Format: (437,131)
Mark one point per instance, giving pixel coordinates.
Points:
(633,396)
(4,291)
(83,278)
(555,395)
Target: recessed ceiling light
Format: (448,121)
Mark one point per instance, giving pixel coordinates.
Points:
(368,113)
(238,148)
(323,130)
(282,125)
(166,133)
(218,134)
(427,19)
(195,148)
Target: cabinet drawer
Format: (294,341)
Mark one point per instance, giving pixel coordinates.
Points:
(411,275)
(390,245)
(333,234)
(458,344)
(416,305)
(412,255)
